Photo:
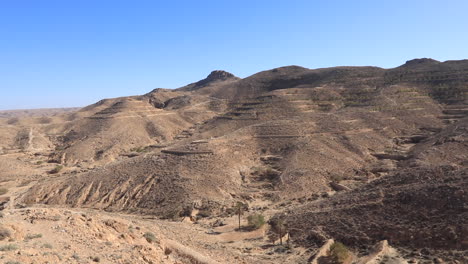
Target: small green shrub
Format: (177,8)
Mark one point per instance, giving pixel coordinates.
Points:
(47,245)
(96,259)
(256,221)
(338,252)
(8,247)
(139,149)
(336,178)
(3,191)
(150,237)
(57,169)
(32,236)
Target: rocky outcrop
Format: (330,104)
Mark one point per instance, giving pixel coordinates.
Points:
(214,76)
(417,208)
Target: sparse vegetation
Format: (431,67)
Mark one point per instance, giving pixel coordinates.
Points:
(12,262)
(301,155)
(56,170)
(3,191)
(150,237)
(270,174)
(278,227)
(256,221)
(339,253)
(265,173)
(139,149)
(55,218)
(32,236)
(240,207)
(4,233)
(47,245)
(9,247)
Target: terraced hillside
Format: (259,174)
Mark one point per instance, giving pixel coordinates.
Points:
(349,153)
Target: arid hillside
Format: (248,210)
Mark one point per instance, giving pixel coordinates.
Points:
(355,154)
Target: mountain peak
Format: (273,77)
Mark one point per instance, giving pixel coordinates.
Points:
(218,75)
(214,76)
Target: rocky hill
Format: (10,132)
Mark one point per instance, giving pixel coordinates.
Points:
(357,154)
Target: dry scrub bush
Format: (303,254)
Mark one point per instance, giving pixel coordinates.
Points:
(140,149)
(256,221)
(339,253)
(32,236)
(270,174)
(4,233)
(150,237)
(57,169)
(3,191)
(9,247)
(47,245)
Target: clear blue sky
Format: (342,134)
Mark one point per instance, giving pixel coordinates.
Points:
(75,52)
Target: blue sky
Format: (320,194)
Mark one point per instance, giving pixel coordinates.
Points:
(74,53)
